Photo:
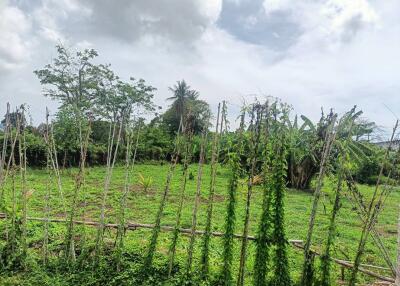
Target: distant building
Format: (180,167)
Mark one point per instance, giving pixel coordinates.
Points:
(386,144)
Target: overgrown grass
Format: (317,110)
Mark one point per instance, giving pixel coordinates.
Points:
(143,205)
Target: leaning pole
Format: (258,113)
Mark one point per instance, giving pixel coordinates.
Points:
(397,282)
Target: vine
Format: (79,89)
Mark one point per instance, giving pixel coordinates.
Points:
(281,275)
(230,220)
(207,234)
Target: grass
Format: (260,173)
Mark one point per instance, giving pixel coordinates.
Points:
(142,207)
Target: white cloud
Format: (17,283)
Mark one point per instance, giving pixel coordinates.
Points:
(271,6)
(14,45)
(328,22)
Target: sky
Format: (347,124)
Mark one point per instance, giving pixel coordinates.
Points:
(310,53)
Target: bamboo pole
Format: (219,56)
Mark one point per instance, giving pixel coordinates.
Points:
(357,201)
(371,214)
(255,136)
(111,159)
(23,165)
(187,158)
(397,282)
(196,201)
(5,140)
(127,184)
(214,161)
(79,180)
(52,149)
(13,142)
(230,219)
(329,138)
(157,227)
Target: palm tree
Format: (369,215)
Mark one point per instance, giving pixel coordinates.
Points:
(182,95)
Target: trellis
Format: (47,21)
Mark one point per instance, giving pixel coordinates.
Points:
(9,168)
(296,243)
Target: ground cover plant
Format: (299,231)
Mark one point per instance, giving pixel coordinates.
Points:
(142,208)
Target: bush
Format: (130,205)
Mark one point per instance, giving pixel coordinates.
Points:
(368,171)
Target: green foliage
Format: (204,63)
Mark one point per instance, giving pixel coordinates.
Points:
(157,225)
(96,108)
(234,154)
(72,78)
(142,208)
(176,233)
(210,204)
(281,276)
(145,182)
(263,242)
(15,118)
(368,169)
(186,106)
(306,143)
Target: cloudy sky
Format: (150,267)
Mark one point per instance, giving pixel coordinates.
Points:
(310,53)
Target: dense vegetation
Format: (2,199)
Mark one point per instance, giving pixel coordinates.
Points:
(100,121)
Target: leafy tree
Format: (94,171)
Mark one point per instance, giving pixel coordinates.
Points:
(66,134)
(72,78)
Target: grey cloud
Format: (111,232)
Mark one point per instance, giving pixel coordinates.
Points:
(248,22)
(178,20)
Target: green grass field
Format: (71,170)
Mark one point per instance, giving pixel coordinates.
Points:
(142,207)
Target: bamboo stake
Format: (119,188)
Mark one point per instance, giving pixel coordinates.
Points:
(214,161)
(157,226)
(124,198)
(371,215)
(196,201)
(110,167)
(47,195)
(230,220)
(357,201)
(262,247)
(329,138)
(255,138)
(79,179)
(47,214)
(23,166)
(134,226)
(349,265)
(14,192)
(5,140)
(50,141)
(342,160)
(187,159)
(121,230)
(397,281)
(12,153)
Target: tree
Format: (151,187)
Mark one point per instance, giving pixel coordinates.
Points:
(306,143)
(66,134)
(186,108)
(71,78)
(182,94)
(14,117)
